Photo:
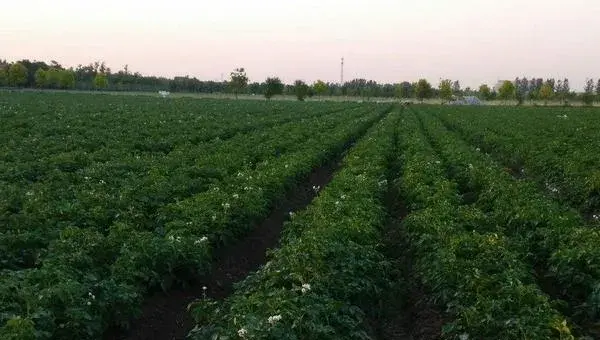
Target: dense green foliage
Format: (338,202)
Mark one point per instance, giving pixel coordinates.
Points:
(238,80)
(301,89)
(486,246)
(445,89)
(507,90)
(104,197)
(484,92)
(17,75)
(558,147)
(273,87)
(3,75)
(54,78)
(469,266)
(559,241)
(100,81)
(423,90)
(328,270)
(514,175)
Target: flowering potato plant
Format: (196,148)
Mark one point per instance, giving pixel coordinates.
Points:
(553,237)
(556,147)
(473,271)
(105,197)
(328,273)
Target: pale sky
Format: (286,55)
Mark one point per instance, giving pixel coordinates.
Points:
(474,41)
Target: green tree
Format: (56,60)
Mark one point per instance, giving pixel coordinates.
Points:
(598,90)
(484,92)
(100,81)
(53,78)
(445,90)
(588,94)
(238,80)
(507,90)
(67,79)
(404,89)
(423,90)
(255,88)
(546,93)
(17,75)
(273,87)
(521,88)
(320,87)
(493,95)
(566,90)
(532,90)
(3,76)
(456,88)
(300,89)
(40,78)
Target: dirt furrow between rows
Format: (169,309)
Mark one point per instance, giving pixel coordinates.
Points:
(408,313)
(165,315)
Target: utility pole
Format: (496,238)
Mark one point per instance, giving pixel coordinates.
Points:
(342,73)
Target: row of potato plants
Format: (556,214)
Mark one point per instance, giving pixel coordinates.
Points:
(66,134)
(92,279)
(92,122)
(46,140)
(328,272)
(561,250)
(132,190)
(558,147)
(474,274)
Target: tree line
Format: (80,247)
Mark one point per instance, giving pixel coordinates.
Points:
(98,76)
(545,90)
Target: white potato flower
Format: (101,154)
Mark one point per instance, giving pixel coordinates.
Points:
(242,332)
(305,287)
(273,319)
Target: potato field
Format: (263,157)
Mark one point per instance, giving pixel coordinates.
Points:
(139,217)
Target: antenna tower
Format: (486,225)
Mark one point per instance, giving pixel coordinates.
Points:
(342,73)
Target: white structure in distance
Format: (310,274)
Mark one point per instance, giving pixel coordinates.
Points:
(164,94)
(467,100)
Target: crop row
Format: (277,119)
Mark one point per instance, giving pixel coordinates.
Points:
(92,278)
(133,191)
(328,272)
(559,247)
(49,177)
(472,271)
(42,125)
(556,147)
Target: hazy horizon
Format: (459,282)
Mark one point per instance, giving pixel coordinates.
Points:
(387,41)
